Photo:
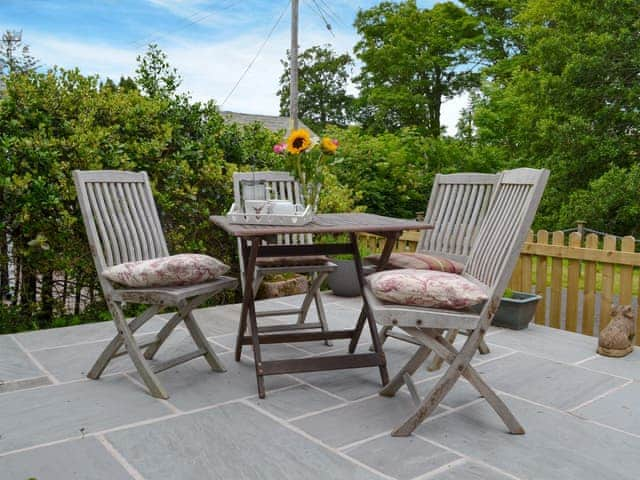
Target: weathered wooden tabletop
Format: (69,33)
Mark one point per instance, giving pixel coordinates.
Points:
(324,223)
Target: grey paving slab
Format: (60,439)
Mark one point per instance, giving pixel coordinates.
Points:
(42,415)
(461,394)
(273,351)
(547,342)
(296,300)
(230,442)
(216,321)
(89,332)
(194,385)
(224,319)
(358,383)
(338,318)
(15,385)
(358,421)
(401,457)
(628,366)
(495,350)
(470,471)
(84,459)
(180,342)
(556,445)
(351,302)
(14,363)
(350,384)
(551,383)
(619,409)
(337,346)
(278,303)
(296,401)
(73,362)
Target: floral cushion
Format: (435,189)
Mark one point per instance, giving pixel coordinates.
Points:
(183,269)
(426,288)
(420,261)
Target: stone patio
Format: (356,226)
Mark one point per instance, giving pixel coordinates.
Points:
(580,411)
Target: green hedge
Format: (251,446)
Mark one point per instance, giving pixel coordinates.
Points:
(52,123)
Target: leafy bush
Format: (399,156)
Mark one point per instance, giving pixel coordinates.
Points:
(610,204)
(392,173)
(52,123)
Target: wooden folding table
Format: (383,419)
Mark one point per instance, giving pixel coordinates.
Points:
(251,239)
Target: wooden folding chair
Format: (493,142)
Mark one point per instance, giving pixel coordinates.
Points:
(282,186)
(457,207)
(491,261)
(122,225)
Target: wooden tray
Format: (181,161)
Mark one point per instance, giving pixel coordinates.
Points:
(301,217)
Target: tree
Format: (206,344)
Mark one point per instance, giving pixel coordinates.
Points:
(322,80)
(413,59)
(15,55)
(155,76)
(610,203)
(497,21)
(571,99)
(127,84)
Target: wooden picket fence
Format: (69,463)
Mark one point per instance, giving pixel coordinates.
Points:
(573,275)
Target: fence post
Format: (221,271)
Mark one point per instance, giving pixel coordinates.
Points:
(626,272)
(588,309)
(541,279)
(556,283)
(573,285)
(526,267)
(606,294)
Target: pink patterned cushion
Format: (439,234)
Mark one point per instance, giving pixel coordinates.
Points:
(183,269)
(420,261)
(426,288)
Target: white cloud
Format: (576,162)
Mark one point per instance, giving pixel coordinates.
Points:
(90,58)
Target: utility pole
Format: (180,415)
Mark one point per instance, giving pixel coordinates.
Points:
(293,65)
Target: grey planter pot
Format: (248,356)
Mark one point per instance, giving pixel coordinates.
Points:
(344,281)
(516,312)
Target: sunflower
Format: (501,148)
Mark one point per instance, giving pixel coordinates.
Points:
(298,141)
(328,145)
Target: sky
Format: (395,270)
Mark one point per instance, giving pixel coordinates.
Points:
(210,42)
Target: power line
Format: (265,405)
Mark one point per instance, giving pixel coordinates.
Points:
(330,12)
(190,20)
(318,9)
(266,40)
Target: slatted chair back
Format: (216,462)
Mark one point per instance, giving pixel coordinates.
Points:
(457,206)
(120,217)
(279,186)
(497,246)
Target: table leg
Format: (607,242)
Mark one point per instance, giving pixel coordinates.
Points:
(364,314)
(242,327)
(249,313)
(389,245)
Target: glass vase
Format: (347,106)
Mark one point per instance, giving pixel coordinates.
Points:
(311,195)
